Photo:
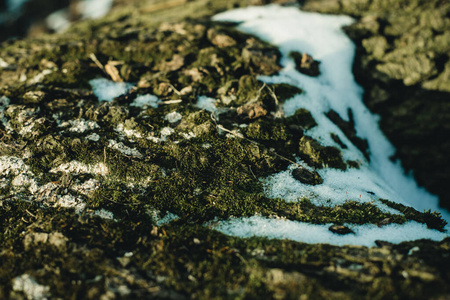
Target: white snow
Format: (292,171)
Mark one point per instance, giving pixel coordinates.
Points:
(105,214)
(77,167)
(365,186)
(25,180)
(58,20)
(69,201)
(206,103)
(23,177)
(145,101)
(165,132)
(28,285)
(129,133)
(107,90)
(93,137)
(122,148)
(87,187)
(12,165)
(321,37)
(80,125)
(188,135)
(94,9)
(156,216)
(173,117)
(365,235)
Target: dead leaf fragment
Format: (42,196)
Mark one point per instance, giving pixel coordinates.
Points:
(252,110)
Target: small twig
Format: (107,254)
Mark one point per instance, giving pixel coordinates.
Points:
(258,94)
(97,62)
(172,101)
(174,89)
(279,109)
(30,213)
(252,172)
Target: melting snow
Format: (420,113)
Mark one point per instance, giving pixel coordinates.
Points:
(70,201)
(94,9)
(321,37)
(173,117)
(206,103)
(311,233)
(107,90)
(119,146)
(80,126)
(32,290)
(76,167)
(93,137)
(105,214)
(146,101)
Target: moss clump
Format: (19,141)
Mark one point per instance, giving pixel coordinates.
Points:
(89,255)
(432,219)
(303,119)
(320,156)
(352,212)
(348,128)
(285,91)
(305,64)
(305,176)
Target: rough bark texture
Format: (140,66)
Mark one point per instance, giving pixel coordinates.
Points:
(67,159)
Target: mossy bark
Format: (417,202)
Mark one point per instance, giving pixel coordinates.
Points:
(70,158)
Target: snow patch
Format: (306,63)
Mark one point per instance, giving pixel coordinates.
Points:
(87,187)
(25,180)
(94,9)
(165,132)
(364,235)
(76,167)
(160,221)
(58,20)
(173,117)
(80,125)
(105,214)
(28,285)
(206,103)
(69,201)
(93,137)
(107,90)
(145,101)
(322,37)
(12,165)
(119,146)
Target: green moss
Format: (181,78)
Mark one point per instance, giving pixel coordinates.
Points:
(183,259)
(320,156)
(352,212)
(302,118)
(285,91)
(263,130)
(432,219)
